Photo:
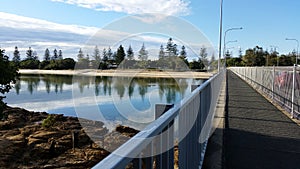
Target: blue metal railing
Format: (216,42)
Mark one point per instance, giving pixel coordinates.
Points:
(182,129)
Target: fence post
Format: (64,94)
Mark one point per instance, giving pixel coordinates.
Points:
(293,90)
(256,79)
(273,82)
(164,160)
(250,76)
(262,79)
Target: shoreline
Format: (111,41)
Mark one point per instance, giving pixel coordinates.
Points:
(122,73)
(27,141)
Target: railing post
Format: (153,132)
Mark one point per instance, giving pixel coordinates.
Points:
(256,74)
(273,82)
(137,162)
(293,90)
(262,78)
(164,160)
(250,76)
(245,73)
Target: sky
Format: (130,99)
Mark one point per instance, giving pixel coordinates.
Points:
(72,24)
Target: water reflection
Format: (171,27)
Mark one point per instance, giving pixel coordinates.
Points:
(53,94)
(104,85)
(168,87)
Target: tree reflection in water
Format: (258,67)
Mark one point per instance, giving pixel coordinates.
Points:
(169,89)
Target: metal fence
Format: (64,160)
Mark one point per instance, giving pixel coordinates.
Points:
(178,137)
(281,84)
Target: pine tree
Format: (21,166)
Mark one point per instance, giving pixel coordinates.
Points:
(96,55)
(29,54)
(35,55)
(175,50)
(143,53)
(110,54)
(130,53)
(183,52)
(47,55)
(120,55)
(161,53)
(80,54)
(60,55)
(105,55)
(203,56)
(183,55)
(171,48)
(55,55)
(16,58)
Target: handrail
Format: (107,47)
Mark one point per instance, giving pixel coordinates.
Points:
(136,145)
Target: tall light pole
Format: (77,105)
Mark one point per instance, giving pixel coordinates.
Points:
(220,33)
(231,29)
(297,48)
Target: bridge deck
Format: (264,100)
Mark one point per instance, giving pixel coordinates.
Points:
(257,135)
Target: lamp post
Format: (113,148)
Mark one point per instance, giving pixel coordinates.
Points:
(220,33)
(297,48)
(231,29)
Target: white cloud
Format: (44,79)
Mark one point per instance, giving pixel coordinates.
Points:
(167,7)
(21,22)
(40,34)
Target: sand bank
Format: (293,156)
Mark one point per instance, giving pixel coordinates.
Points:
(122,73)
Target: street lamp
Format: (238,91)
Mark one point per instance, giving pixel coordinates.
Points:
(231,29)
(220,33)
(297,48)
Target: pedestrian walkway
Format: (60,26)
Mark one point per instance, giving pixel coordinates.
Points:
(257,135)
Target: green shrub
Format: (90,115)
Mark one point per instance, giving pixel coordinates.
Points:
(8,75)
(49,121)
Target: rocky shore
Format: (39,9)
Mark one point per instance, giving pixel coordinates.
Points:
(27,140)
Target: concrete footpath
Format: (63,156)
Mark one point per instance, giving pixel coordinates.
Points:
(257,135)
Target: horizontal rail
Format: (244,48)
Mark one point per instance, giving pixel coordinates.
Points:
(191,119)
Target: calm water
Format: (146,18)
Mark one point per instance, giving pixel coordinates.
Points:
(116,100)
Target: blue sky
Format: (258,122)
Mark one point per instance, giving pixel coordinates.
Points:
(70,23)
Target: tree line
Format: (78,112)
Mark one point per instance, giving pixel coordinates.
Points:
(257,56)
(168,57)
(50,61)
